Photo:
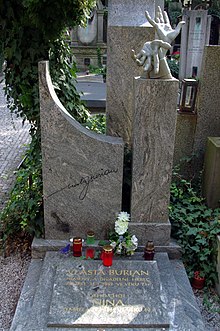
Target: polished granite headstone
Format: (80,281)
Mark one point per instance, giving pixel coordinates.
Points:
(124,295)
(82,170)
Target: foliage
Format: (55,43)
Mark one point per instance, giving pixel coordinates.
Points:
(174,68)
(98,71)
(195,227)
(121,240)
(63,74)
(25,210)
(214,9)
(97,123)
(214,12)
(31,31)
(174,15)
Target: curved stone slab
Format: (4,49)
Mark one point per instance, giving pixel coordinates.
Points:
(82,171)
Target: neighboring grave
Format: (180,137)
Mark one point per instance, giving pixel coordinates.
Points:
(128,29)
(82,171)
(86,40)
(194,36)
(211,173)
(208,101)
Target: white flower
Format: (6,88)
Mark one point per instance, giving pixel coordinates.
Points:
(134,241)
(130,252)
(121,227)
(124,216)
(119,248)
(113,244)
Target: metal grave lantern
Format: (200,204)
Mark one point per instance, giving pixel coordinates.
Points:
(188,95)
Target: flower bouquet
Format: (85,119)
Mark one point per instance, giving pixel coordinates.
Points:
(122,242)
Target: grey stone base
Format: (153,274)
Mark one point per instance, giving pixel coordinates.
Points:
(156,231)
(35,300)
(41,246)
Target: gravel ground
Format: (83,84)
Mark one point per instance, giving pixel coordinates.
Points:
(13,270)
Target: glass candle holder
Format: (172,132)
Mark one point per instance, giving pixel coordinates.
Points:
(90,238)
(149,251)
(107,256)
(77,247)
(90,253)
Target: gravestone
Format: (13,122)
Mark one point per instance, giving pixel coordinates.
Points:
(127,30)
(194,36)
(82,171)
(153,147)
(211,173)
(207,103)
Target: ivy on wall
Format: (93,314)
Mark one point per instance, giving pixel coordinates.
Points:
(31,31)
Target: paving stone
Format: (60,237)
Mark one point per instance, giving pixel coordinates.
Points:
(14,136)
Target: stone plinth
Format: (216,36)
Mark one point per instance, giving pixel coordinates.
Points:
(82,171)
(153,146)
(127,29)
(211,174)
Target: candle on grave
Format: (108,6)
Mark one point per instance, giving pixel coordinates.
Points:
(77,247)
(107,255)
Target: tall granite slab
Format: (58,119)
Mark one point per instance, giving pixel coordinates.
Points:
(194,36)
(82,171)
(153,147)
(208,101)
(127,29)
(211,173)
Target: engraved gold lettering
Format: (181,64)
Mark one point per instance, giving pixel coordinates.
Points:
(108,302)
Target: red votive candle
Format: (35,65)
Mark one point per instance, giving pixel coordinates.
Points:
(77,247)
(107,256)
(90,253)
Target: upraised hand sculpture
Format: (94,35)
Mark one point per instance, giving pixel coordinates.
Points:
(166,34)
(150,50)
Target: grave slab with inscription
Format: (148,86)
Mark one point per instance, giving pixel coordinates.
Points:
(65,293)
(194,36)
(124,295)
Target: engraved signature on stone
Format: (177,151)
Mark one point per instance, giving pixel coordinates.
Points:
(85,182)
